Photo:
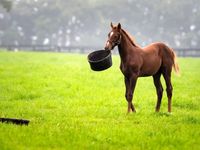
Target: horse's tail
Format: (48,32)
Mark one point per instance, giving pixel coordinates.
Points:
(175,63)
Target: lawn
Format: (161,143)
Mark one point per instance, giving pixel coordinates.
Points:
(71,107)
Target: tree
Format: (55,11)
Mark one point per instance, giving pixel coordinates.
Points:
(6,4)
(78,22)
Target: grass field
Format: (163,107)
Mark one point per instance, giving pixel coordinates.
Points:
(72,107)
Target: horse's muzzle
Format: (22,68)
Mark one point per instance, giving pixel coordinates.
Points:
(106,48)
(109,46)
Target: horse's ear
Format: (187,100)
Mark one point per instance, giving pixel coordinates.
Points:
(111,25)
(119,26)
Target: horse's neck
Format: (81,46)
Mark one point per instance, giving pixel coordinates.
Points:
(125,47)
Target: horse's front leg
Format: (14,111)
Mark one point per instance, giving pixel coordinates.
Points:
(130,83)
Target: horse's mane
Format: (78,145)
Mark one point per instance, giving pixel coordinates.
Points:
(130,38)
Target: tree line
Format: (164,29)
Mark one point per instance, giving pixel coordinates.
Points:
(84,23)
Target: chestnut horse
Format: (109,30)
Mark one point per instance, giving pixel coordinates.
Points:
(152,60)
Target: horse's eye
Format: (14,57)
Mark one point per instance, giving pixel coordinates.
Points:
(115,36)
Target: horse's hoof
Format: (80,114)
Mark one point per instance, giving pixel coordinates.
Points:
(169,113)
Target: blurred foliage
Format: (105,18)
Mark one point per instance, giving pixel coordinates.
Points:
(80,22)
(6,4)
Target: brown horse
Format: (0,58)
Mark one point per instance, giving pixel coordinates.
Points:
(152,60)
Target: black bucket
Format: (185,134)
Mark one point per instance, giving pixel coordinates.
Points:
(100,60)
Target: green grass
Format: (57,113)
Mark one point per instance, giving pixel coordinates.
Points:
(72,107)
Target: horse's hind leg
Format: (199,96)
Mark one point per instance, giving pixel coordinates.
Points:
(167,77)
(159,90)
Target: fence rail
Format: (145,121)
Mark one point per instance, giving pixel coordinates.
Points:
(183,52)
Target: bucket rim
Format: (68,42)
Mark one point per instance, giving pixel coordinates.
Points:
(92,61)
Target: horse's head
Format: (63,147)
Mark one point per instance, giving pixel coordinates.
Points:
(114,37)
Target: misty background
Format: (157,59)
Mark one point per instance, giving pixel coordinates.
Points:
(87,23)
